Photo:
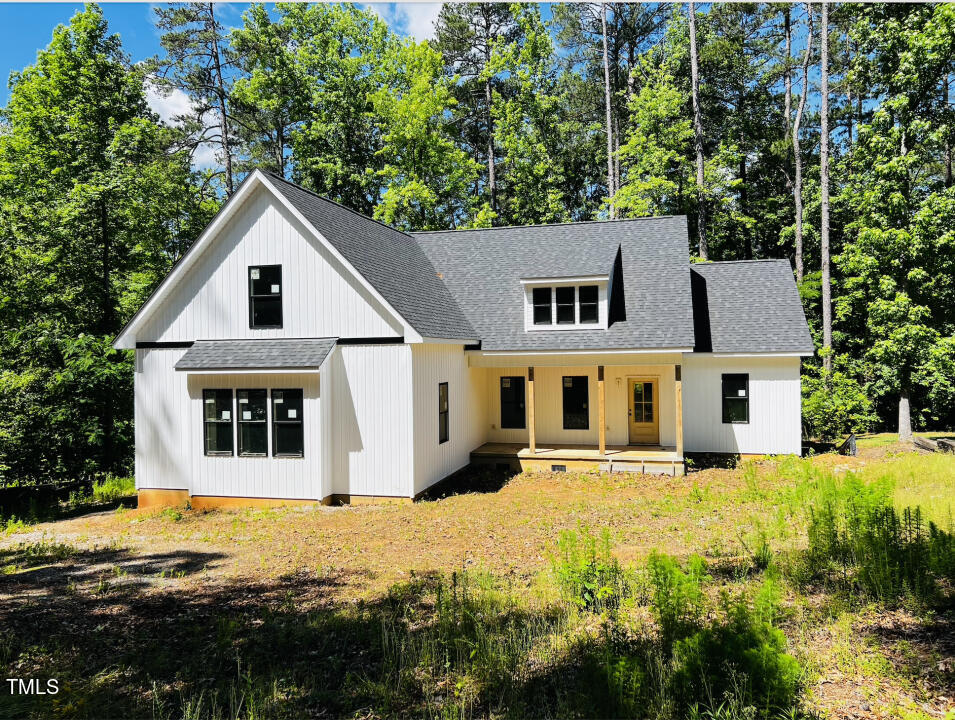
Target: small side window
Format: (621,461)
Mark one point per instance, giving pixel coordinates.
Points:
(217,422)
(443,428)
(736,398)
(265,296)
(542,310)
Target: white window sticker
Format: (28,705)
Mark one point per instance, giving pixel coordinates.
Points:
(568,382)
(255,273)
(226,414)
(243,400)
(210,401)
(505,382)
(741,393)
(292,413)
(246,414)
(275,289)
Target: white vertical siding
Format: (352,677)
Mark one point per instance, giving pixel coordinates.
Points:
(319,297)
(434,364)
(774,406)
(163,445)
(371,416)
(259,477)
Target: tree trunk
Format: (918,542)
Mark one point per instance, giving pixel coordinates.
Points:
(491,169)
(824,186)
(698,139)
(788,74)
(948,135)
(221,95)
(611,189)
(905,417)
(797,186)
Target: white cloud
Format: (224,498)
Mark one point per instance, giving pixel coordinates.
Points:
(175,103)
(415,19)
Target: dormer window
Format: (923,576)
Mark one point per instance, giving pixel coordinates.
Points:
(565,303)
(265,296)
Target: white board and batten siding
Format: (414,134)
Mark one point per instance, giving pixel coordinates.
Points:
(320,297)
(774,405)
(434,364)
(170,437)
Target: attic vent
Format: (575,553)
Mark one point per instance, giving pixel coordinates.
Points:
(558,468)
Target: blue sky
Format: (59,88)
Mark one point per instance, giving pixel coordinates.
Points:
(28,27)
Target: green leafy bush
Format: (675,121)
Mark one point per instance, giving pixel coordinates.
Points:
(586,570)
(677,599)
(834,404)
(113,488)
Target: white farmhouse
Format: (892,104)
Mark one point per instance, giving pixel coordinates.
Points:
(301,352)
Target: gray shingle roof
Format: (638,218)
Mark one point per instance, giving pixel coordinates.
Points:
(256,354)
(749,306)
(389,259)
(483,268)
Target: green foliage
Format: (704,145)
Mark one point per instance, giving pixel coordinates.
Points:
(113,488)
(834,403)
(586,570)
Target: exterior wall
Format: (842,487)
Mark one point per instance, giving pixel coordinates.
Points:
(549,412)
(774,407)
(169,435)
(370,387)
(433,364)
(319,297)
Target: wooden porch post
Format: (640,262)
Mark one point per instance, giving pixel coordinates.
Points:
(601,411)
(531,439)
(679,409)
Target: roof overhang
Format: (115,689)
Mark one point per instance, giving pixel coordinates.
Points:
(565,280)
(256,356)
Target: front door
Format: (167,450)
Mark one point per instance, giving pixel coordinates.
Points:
(643,411)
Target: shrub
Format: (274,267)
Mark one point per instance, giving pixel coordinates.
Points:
(113,488)
(586,570)
(834,403)
(677,599)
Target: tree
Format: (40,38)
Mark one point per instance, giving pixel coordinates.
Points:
(797,153)
(197,62)
(698,137)
(95,210)
(824,187)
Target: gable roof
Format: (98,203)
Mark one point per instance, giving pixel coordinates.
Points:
(747,307)
(389,259)
(305,353)
(483,268)
(388,262)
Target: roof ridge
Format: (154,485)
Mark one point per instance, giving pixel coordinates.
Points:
(414,233)
(734,262)
(335,202)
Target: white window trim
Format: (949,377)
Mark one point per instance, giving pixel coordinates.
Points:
(603,306)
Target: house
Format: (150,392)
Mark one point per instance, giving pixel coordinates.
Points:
(302,352)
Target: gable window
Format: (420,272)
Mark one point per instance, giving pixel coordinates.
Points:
(736,398)
(587,295)
(512,403)
(217,422)
(443,413)
(576,414)
(288,437)
(565,305)
(253,422)
(265,296)
(542,309)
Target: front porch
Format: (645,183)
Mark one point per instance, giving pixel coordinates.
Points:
(656,459)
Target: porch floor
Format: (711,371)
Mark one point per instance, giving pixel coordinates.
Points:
(656,459)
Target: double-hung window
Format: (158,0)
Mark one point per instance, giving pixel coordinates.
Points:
(265,296)
(543,314)
(512,402)
(587,296)
(443,425)
(576,412)
(735,398)
(253,422)
(217,422)
(565,306)
(288,436)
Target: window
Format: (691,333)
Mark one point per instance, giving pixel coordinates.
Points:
(588,304)
(217,422)
(265,296)
(288,437)
(442,413)
(253,423)
(512,402)
(643,402)
(542,309)
(565,306)
(736,398)
(576,415)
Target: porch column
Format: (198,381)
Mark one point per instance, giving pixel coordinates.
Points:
(531,434)
(678,397)
(601,411)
